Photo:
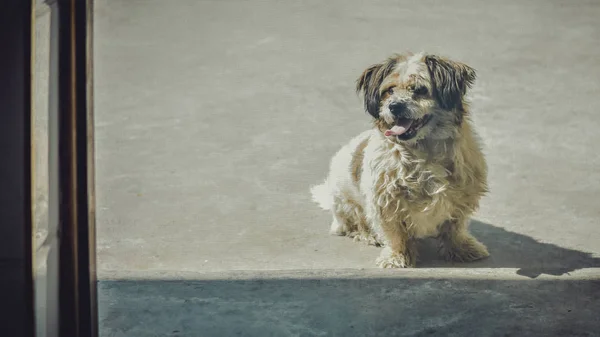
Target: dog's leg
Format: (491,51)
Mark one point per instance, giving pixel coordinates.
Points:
(456,243)
(337,225)
(363,232)
(343,222)
(399,251)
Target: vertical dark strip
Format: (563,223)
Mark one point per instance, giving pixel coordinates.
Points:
(77,247)
(84,165)
(68,294)
(29,30)
(16,251)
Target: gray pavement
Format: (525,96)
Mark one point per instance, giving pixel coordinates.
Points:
(214,117)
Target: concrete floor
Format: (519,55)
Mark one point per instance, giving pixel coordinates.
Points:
(214,117)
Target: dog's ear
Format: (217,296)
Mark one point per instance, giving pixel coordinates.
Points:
(369,82)
(450,80)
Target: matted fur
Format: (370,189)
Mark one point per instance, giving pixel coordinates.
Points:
(390,192)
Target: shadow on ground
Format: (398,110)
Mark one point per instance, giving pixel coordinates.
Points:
(349,307)
(513,250)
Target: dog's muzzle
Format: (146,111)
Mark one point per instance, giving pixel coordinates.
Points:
(399,109)
(406,126)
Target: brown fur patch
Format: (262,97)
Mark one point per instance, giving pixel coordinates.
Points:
(369,82)
(357,160)
(450,80)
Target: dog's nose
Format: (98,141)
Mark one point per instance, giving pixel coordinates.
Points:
(397,108)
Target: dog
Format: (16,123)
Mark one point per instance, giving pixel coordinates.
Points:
(419,172)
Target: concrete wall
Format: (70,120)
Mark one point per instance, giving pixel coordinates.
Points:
(45,241)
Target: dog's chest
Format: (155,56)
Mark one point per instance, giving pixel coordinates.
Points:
(423,196)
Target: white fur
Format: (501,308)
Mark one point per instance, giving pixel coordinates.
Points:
(321,194)
(437,201)
(339,181)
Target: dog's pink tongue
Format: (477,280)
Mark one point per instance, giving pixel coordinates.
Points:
(399,129)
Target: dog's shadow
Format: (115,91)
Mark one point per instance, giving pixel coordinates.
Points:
(512,250)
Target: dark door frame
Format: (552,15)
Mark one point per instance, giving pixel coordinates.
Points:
(71,134)
(16,274)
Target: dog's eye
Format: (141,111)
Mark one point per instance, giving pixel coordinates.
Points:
(390,91)
(420,90)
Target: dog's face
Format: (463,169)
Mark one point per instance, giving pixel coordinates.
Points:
(415,97)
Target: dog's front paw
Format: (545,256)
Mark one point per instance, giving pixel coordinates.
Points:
(337,228)
(366,238)
(391,259)
(464,249)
